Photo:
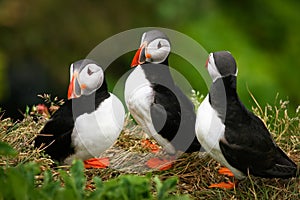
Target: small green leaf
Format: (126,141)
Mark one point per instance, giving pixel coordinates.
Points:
(49,186)
(77,173)
(163,188)
(158,183)
(169,184)
(75,182)
(27,110)
(98,182)
(7,150)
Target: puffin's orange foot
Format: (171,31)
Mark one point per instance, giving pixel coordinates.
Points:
(150,145)
(158,163)
(223,185)
(96,163)
(226,171)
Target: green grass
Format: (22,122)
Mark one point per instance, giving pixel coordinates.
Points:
(195,172)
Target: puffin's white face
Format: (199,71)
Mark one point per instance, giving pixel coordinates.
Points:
(157,50)
(85,80)
(212,68)
(221,64)
(91,78)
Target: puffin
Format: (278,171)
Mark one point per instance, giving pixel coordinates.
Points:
(156,103)
(233,135)
(88,123)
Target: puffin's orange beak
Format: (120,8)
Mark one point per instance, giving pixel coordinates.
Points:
(71,88)
(206,63)
(139,57)
(74,90)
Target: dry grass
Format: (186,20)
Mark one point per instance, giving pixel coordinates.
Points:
(195,171)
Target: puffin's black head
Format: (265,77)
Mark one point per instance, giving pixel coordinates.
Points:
(155,48)
(86,76)
(220,64)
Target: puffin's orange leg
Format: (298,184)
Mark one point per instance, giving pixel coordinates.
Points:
(225,185)
(145,142)
(226,171)
(229,185)
(149,145)
(96,163)
(160,163)
(157,163)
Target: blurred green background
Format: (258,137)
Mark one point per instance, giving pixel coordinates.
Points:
(39,40)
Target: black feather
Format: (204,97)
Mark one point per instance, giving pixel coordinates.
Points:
(172,113)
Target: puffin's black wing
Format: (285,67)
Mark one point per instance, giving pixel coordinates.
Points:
(172,112)
(174,118)
(57,133)
(165,112)
(248,145)
(188,121)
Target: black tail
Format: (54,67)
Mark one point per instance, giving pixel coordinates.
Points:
(283,168)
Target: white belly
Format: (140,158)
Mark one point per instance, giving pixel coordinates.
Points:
(97,131)
(138,97)
(209,130)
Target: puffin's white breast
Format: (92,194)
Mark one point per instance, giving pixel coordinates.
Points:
(209,127)
(139,96)
(97,131)
(209,131)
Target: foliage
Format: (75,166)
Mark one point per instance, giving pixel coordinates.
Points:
(6,150)
(19,183)
(197,98)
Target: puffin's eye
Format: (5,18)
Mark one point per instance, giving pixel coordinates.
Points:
(89,71)
(159,45)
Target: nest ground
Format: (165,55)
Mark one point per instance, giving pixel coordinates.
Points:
(195,171)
